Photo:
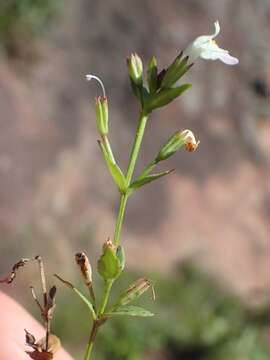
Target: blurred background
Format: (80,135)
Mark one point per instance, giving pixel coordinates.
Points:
(203,233)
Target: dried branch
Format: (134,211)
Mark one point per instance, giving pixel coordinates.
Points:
(11,276)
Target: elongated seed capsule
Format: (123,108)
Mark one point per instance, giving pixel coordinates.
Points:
(85,267)
(133,292)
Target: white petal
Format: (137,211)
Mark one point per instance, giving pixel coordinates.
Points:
(228,59)
(192,52)
(204,39)
(217,30)
(212,46)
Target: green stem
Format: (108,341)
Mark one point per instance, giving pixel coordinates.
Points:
(130,170)
(91,341)
(106,295)
(120,217)
(88,351)
(94,330)
(136,146)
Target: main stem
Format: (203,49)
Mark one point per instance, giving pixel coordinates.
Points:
(130,170)
(120,217)
(90,344)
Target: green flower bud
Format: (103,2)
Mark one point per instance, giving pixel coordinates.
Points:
(176,141)
(152,75)
(109,265)
(175,71)
(102,115)
(135,69)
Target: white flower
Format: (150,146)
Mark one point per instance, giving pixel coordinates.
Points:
(206,48)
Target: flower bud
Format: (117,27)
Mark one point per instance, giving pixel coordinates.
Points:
(133,292)
(109,265)
(135,69)
(175,71)
(102,115)
(175,142)
(85,267)
(152,75)
(191,143)
(108,245)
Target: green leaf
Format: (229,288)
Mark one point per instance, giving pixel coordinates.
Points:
(147,179)
(152,73)
(114,169)
(164,97)
(131,311)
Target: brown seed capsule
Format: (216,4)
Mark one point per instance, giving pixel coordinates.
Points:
(85,267)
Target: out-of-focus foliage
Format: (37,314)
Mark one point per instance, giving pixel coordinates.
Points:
(22,20)
(194,320)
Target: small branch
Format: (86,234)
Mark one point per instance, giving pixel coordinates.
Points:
(65,282)
(9,278)
(37,301)
(92,295)
(82,297)
(43,279)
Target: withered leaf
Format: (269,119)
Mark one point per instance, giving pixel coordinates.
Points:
(29,338)
(40,352)
(36,355)
(54,344)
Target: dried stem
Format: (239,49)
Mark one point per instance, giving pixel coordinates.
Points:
(36,299)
